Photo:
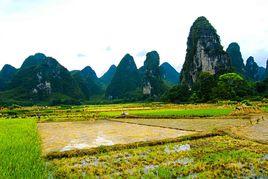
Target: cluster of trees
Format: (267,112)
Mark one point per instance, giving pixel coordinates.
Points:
(210,88)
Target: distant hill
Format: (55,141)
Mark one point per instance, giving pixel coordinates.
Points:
(108,76)
(152,82)
(88,82)
(266,70)
(42,78)
(169,74)
(237,62)
(253,71)
(6,75)
(126,80)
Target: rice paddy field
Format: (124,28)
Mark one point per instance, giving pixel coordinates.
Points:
(139,140)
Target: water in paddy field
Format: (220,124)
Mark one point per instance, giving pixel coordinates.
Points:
(64,136)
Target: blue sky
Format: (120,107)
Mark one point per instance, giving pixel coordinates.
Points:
(99,33)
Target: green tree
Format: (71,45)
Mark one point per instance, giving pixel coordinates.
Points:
(178,94)
(204,86)
(232,86)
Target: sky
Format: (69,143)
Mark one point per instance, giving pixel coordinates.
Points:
(98,33)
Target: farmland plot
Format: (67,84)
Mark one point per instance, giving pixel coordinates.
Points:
(64,136)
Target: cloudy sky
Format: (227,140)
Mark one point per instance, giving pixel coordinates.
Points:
(100,32)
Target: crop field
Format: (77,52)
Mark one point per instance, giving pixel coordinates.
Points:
(95,112)
(141,140)
(20,155)
(171,113)
(205,158)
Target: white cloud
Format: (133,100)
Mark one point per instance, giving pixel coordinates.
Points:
(65,28)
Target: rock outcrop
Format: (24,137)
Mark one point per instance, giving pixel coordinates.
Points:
(237,62)
(153,84)
(169,74)
(126,80)
(204,52)
(108,76)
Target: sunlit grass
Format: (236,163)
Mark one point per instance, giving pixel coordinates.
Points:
(20,149)
(172,112)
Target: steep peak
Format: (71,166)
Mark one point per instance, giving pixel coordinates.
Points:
(169,74)
(152,59)
(7,72)
(204,52)
(40,55)
(125,80)
(8,68)
(128,63)
(235,55)
(166,65)
(112,67)
(88,71)
(234,46)
(107,76)
(34,60)
(250,61)
(201,28)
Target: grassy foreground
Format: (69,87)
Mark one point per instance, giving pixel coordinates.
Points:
(20,155)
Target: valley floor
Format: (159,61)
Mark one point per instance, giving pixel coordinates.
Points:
(148,140)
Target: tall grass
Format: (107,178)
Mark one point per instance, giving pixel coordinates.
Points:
(20,151)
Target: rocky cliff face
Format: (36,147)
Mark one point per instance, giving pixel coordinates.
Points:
(204,52)
(237,61)
(153,84)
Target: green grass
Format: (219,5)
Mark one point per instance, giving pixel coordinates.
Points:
(158,113)
(213,157)
(20,151)
(265,108)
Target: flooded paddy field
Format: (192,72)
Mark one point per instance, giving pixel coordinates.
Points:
(64,136)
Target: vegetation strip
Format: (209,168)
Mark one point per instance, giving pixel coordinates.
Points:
(116,147)
(20,155)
